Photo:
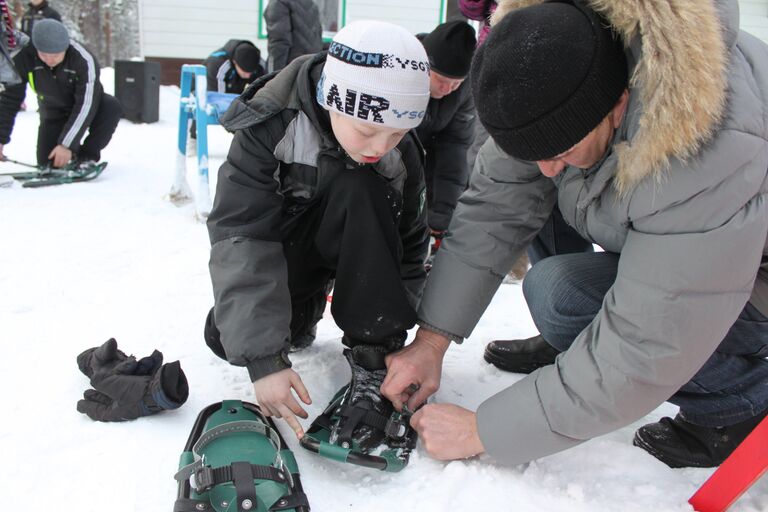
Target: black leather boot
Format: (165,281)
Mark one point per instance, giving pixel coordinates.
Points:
(520,356)
(680,444)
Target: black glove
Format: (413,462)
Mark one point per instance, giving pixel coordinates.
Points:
(107,356)
(132,389)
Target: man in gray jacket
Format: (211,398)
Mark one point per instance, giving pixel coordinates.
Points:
(668,173)
(293,29)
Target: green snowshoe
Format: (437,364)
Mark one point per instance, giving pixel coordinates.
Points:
(360,426)
(235,460)
(46,176)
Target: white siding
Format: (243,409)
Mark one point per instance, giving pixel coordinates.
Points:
(754,17)
(414,15)
(194,28)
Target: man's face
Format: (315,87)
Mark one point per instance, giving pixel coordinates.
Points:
(365,143)
(241,72)
(589,150)
(441,86)
(51,59)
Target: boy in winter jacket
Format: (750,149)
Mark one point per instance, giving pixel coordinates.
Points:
(65,77)
(323,182)
(231,68)
(668,173)
(38,10)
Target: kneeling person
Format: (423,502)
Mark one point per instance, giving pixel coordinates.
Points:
(65,77)
(323,182)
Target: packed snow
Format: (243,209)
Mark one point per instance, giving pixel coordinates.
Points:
(111,258)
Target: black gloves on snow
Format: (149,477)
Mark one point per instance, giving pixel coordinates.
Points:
(126,388)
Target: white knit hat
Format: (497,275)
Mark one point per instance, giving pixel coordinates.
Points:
(376,72)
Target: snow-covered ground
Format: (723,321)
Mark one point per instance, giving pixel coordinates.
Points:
(110,258)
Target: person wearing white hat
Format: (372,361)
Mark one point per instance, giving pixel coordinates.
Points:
(323,181)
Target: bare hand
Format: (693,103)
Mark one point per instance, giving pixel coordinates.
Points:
(61,155)
(2,155)
(447,432)
(413,373)
(273,394)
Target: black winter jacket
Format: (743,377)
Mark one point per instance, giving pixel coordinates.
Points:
(221,73)
(36,13)
(447,132)
(282,157)
(70,90)
(293,29)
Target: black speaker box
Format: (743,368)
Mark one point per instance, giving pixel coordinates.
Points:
(137,88)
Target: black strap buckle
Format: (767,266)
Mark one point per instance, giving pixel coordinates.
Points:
(203,479)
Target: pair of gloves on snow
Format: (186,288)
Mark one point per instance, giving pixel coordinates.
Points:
(125,388)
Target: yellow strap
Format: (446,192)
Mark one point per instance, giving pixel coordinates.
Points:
(31,78)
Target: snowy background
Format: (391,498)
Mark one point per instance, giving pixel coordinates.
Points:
(110,258)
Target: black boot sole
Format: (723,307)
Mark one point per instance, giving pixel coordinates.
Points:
(512,364)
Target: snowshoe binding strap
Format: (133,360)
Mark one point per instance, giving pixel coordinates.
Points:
(236,460)
(359,426)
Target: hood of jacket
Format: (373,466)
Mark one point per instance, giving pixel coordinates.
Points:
(681,81)
(291,88)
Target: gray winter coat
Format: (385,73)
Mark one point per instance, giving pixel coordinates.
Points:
(681,195)
(293,29)
(282,158)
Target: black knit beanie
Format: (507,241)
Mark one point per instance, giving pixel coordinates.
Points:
(247,57)
(546,76)
(450,47)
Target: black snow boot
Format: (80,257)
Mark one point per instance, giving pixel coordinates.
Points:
(680,444)
(360,426)
(520,356)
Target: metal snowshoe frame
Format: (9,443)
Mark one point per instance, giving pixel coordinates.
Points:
(236,460)
(400,438)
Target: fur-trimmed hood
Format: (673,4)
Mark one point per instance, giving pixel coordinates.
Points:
(681,51)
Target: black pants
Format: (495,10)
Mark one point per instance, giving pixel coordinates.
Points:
(350,235)
(99,132)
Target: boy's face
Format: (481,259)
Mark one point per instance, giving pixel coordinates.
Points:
(364,143)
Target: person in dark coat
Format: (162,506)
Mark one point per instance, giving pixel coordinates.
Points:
(37,10)
(293,29)
(65,77)
(231,68)
(447,129)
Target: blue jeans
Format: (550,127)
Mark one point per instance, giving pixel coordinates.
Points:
(565,292)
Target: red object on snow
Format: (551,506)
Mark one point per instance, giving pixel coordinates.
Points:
(744,467)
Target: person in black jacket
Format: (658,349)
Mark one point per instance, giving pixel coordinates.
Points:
(293,29)
(448,127)
(38,10)
(323,181)
(65,77)
(231,68)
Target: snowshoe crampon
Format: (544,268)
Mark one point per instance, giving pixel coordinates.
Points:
(360,426)
(236,460)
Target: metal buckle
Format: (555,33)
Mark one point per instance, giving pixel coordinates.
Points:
(203,479)
(397,426)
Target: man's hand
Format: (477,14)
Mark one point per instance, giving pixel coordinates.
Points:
(2,155)
(61,155)
(447,432)
(273,394)
(413,373)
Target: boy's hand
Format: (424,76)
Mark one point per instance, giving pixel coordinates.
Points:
(61,155)
(413,373)
(273,394)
